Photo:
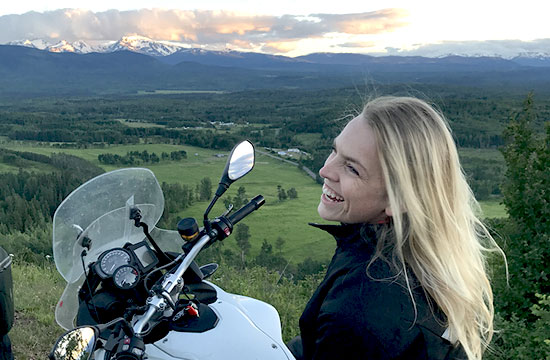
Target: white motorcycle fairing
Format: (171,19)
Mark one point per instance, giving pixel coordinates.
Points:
(247,329)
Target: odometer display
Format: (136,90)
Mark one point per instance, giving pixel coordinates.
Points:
(126,277)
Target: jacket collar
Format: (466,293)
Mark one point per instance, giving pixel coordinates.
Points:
(348,233)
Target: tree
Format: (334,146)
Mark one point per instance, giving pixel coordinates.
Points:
(526,194)
(292,193)
(268,259)
(205,189)
(242,235)
(279,243)
(281,193)
(308,267)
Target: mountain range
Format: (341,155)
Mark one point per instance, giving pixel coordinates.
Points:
(173,52)
(133,64)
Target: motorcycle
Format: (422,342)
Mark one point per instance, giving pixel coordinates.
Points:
(134,291)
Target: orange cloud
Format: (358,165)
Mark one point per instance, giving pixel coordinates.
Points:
(280,46)
(368,23)
(241,44)
(235,28)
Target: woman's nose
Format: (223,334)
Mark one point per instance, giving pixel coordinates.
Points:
(327,172)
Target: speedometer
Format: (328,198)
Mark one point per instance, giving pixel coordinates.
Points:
(111,260)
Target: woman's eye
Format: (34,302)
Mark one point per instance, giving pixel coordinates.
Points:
(352,169)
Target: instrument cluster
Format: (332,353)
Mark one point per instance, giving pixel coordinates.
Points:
(126,265)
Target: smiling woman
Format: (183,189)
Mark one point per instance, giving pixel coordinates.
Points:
(408,279)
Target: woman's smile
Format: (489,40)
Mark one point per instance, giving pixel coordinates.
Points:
(330,195)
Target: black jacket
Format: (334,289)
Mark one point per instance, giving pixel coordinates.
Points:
(353,316)
(5,348)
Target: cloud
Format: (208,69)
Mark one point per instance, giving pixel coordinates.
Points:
(504,48)
(279,46)
(196,27)
(366,23)
(359,45)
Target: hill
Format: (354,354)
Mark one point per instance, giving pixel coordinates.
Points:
(32,72)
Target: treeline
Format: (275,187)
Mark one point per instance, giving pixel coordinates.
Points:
(140,157)
(17,158)
(477,117)
(178,197)
(522,300)
(29,199)
(82,139)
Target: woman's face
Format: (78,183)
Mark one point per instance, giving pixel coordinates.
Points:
(354,190)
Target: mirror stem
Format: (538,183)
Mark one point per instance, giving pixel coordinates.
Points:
(221,189)
(206,221)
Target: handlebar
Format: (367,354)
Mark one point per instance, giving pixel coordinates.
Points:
(174,281)
(254,204)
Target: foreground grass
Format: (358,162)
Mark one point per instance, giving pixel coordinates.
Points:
(37,289)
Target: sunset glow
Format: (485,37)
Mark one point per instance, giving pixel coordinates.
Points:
(379,27)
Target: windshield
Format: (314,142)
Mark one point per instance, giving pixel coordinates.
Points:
(99,210)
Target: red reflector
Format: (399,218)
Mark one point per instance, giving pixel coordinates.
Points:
(127,341)
(61,303)
(227,231)
(192,311)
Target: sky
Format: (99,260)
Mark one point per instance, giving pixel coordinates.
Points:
(293,27)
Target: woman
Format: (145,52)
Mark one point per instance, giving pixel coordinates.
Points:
(408,279)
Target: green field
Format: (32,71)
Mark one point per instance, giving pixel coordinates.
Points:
(287,219)
(493,209)
(491,155)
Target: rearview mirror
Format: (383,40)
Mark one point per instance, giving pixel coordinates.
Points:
(77,344)
(239,163)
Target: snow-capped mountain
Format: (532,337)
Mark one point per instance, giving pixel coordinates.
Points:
(144,45)
(79,46)
(139,44)
(533,59)
(35,43)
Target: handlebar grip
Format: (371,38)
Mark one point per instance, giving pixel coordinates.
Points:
(254,204)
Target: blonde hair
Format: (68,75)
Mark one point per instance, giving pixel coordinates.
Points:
(435,230)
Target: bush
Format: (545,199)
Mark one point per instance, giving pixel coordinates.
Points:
(518,339)
(527,199)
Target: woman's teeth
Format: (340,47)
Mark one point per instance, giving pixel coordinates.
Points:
(331,195)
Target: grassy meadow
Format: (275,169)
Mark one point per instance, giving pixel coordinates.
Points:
(287,219)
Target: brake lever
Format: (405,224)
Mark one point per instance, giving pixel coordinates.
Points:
(229,208)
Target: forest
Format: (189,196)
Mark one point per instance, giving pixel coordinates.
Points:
(503,140)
